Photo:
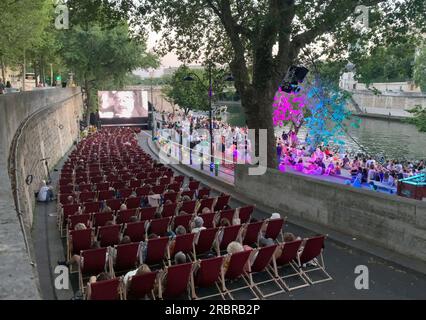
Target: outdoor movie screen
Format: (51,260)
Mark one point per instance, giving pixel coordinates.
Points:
(123,104)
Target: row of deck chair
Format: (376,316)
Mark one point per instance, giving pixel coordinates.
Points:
(192,278)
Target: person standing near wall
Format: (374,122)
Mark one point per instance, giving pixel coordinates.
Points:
(1,86)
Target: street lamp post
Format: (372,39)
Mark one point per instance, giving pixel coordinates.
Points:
(210,90)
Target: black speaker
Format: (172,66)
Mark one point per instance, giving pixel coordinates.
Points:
(295,75)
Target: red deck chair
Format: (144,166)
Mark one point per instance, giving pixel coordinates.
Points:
(101,218)
(169,210)
(244,213)
(189,193)
(285,266)
(156,251)
(174,186)
(221,202)
(85,186)
(274,229)
(188,206)
(142,175)
(206,203)
(143,191)
(229,234)
(123,216)
(135,184)
(236,269)
(172,196)
(119,185)
(92,263)
(106,195)
(313,252)
(133,203)
(184,243)
(125,193)
(159,189)
(126,258)
(142,286)
(205,240)
(183,220)
(109,235)
(102,186)
(227,214)
(165,180)
(67,210)
(159,226)
(63,181)
(96,179)
(177,281)
(79,218)
(92,207)
(209,219)
(66,189)
(194,185)
(79,240)
(135,230)
(262,261)
(207,274)
(106,290)
(114,204)
(179,179)
(203,192)
(63,198)
(252,232)
(147,213)
(151,181)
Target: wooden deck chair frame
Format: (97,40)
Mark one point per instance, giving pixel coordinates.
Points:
(319,261)
(274,272)
(163,274)
(194,294)
(248,285)
(121,290)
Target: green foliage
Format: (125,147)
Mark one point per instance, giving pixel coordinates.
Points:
(419,117)
(193,95)
(420,69)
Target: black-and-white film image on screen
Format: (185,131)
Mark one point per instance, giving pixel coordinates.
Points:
(122,104)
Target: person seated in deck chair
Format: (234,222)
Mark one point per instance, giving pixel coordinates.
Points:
(180,258)
(100,277)
(142,269)
(198,225)
(45,193)
(180,230)
(232,248)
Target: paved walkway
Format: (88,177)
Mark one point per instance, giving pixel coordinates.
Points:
(387,280)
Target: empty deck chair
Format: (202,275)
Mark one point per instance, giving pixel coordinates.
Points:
(194,185)
(126,258)
(207,274)
(133,203)
(109,235)
(172,196)
(106,290)
(244,214)
(141,286)
(135,230)
(92,207)
(285,266)
(313,252)
(229,234)
(221,202)
(177,281)
(169,210)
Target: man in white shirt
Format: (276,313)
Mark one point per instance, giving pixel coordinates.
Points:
(45,193)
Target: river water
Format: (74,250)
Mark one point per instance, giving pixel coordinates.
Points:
(381,138)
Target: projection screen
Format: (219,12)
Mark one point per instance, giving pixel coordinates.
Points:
(123,104)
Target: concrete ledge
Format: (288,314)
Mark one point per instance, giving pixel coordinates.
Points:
(340,237)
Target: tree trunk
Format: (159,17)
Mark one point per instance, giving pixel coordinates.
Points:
(3,70)
(24,72)
(258,109)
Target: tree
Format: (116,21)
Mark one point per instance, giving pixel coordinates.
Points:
(101,58)
(193,95)
(420,69)
(245,34)
(419,118)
